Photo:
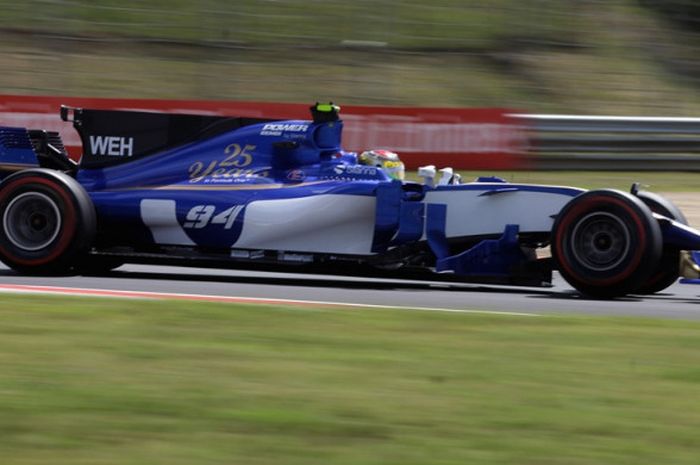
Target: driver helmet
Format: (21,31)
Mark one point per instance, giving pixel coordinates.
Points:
(384,159)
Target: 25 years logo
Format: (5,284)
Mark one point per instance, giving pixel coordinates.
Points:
(234,165)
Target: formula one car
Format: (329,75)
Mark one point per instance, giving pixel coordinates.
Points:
(283,195)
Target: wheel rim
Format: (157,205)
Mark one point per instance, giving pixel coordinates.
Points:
(32,221)
(600,241)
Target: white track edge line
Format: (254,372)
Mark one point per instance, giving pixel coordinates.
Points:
(112,293)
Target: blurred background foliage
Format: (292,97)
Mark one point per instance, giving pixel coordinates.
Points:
(571,56)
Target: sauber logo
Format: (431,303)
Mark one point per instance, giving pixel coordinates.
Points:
(296,175)
(112,146)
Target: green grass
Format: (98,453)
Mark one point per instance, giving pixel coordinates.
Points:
(406,24)
(547,56)
(86,381)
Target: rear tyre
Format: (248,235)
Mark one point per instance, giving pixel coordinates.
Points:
(606,243)
(47,222)
(668,270)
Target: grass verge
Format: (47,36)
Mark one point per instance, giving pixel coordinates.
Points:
(136,382)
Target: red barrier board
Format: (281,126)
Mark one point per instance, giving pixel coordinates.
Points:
(466,138)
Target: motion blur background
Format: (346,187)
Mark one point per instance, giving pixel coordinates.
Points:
(131,382)
(572,56)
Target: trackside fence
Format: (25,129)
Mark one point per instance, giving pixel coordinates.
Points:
(474,138)
(570,142)
(465,138)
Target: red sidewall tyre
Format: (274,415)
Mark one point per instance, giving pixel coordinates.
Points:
(668,270)
(47,221)
(606,243)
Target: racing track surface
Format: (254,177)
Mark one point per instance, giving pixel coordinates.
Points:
(679,301)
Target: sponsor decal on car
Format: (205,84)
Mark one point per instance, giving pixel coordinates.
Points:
(234,166)
(358,170)
(112,146)
(277,129)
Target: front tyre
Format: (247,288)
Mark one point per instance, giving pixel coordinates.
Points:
(606,243)
(668,270)
(47,222)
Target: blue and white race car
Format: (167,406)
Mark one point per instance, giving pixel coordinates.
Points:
(283,195)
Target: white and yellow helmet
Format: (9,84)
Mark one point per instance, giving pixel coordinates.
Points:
(384,159)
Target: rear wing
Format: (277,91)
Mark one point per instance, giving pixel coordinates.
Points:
(111,137)
(23,148)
